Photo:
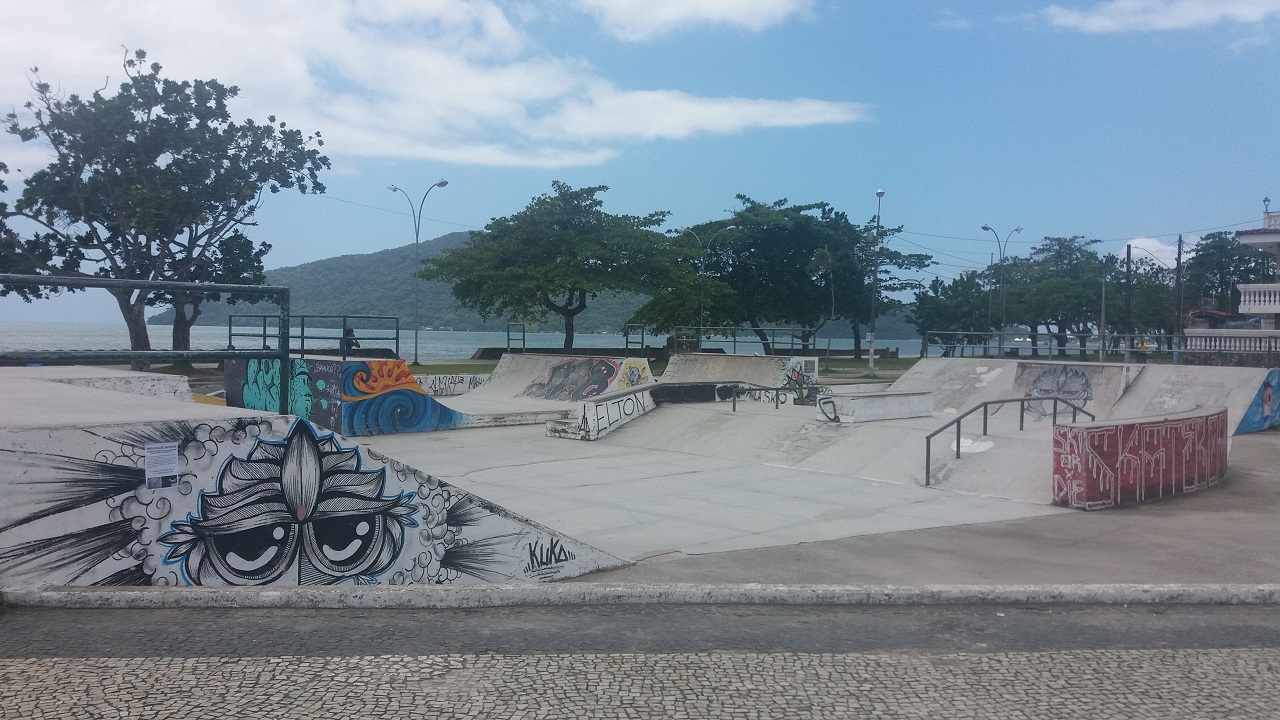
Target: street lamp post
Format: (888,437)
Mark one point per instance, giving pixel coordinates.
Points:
(417,260)
(875,289)
(702,248)
(1002,247)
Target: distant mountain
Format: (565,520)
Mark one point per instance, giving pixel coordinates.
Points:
(381,283)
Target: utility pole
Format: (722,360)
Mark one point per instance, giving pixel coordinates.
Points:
(1177,338)
(1128,293)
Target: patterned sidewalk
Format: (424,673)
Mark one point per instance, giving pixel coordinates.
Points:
(1243,683)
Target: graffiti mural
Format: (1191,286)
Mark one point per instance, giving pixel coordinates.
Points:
(1103,465)
(257,501)
(600,417)
(1264,412)
(802,380)
(381,397)
(314,391)
(448,385)
(633,373)
(574,379)
(1065,382)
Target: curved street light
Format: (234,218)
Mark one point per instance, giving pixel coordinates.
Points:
(875,289)
(702,267)
(417,260)
(1002,248)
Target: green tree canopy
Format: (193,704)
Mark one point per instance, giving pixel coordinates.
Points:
(554,255)
(961,307)
(148,184)
(777,264)
(1218,264)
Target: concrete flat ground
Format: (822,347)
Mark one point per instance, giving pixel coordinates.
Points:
(755,513)
(743,480)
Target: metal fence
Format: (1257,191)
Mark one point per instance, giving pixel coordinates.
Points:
(1263,345)
(279,295)
(320,324)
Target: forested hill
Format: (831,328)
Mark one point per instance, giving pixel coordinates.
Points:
(381,283)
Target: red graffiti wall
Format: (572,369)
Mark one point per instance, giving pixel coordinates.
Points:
(1101,465)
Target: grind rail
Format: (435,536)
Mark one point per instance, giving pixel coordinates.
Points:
(1022,417)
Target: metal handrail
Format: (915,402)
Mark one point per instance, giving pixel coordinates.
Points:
(278,293)
(1022,416)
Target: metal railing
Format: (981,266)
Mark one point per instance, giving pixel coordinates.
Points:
(1113,347)
(280,295)
(515,331)
(1022,417)
(636,331)
(302,336)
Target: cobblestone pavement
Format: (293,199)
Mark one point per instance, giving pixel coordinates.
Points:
(1078,684)
(659,662)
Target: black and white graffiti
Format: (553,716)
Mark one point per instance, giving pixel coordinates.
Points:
(300,507)
(1064,382)
(259,500)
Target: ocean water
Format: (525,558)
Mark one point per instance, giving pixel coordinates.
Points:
(432,344)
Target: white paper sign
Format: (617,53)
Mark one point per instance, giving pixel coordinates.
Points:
(161,465)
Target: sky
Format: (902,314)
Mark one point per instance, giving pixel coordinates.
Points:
(1125,121)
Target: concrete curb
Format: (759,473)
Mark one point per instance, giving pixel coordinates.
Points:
(578,594)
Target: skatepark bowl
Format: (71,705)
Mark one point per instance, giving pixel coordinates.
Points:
(556,467)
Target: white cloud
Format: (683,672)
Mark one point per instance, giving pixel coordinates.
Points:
(950,20)
(450,80)
(1148,15)
(1151,248)
(635,20)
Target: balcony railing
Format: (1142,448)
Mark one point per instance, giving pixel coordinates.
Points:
(1260,298)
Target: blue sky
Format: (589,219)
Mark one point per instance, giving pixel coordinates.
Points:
(1121,120)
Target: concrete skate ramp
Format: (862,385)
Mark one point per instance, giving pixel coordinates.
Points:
(111,488)
(958,384)
(127,381)
(1172,389)
(765,371)
(545,387)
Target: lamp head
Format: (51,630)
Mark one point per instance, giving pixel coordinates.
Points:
(986,228)
(1018,229)
(441,182)
(393,188)
(880,193)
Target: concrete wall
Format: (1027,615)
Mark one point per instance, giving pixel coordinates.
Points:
(1104,464)
(258,500)
(356,397)
(381,397)
(874,406)
(315,391)
(450,385)
(125,381)
(599,417)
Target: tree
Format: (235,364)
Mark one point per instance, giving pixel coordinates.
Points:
(960,307)
(148,184)
(235,260)
(776,264)
(1064,288)
(554,255)
(1219,264)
